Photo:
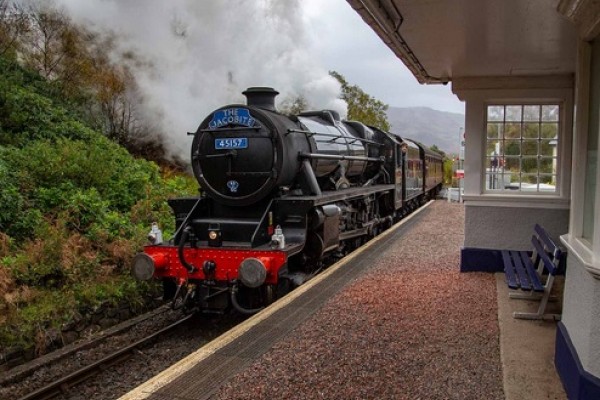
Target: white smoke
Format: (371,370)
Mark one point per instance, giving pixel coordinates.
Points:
(201,54)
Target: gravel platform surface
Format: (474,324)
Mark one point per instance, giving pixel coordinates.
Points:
(411,327)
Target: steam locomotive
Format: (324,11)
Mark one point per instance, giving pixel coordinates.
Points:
(283,196)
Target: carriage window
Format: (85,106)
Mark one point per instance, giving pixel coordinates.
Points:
(521,148)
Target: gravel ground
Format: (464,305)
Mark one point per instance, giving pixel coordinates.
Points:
(120,378)
(412,327)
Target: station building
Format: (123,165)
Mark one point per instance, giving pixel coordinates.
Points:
(529,74)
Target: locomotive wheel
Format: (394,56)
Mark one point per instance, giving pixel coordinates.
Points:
(314,247)
(169,289)
(270,294)
(284,286)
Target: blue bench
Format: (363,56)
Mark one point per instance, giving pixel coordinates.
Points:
(526,272)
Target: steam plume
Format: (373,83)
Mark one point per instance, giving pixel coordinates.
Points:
(201,54)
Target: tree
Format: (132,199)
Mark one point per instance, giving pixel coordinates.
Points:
(293,105)
(118,111)
(448,168)
(78,65)
(361,106)
(438,150)
(13,24)
(44,42)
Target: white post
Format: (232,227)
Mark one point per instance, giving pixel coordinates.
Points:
(461,158)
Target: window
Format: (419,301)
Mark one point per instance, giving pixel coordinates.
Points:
(589,192)
(521,148)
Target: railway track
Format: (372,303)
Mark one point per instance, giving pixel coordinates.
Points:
(64,385)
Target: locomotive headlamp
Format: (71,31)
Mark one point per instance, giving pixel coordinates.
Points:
(143,267)
(252,272)
(214,235)
(155,235)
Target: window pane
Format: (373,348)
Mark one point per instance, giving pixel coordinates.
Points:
(529,187)
(512,182)
(548,180)
(531,131)
(549,130)
(495,131)
(529,181)
(512,131)
(494,162)
(494,147)
(513,113)
(529,147)
(548,183)
(531,113)
(547,165)
(494,181)
(495,113)
(548,148)
(512,147)
(529,165)
(590,230)
(512,164)
(550,113)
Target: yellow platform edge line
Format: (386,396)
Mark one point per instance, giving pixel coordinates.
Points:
(147,388)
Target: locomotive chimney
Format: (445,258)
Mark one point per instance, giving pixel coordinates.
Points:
(263,97)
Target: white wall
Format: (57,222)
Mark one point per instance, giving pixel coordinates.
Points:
(510,227)
(581,300)
(581,314)
(506,220)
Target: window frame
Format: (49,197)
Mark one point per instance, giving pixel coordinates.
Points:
(559,147)
(477,93)
(580,247)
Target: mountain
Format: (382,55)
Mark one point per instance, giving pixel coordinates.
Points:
(428,126)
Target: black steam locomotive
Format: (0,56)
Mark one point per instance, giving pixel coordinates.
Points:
(282,197)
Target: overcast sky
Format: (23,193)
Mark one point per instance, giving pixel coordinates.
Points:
(346,44)
(192,56)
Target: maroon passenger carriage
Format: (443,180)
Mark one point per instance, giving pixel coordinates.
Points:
(282,196)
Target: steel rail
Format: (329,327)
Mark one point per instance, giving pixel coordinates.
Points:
(22,371)
(62,385)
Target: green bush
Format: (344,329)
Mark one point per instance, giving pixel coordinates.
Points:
(27,116)
(33,108)
(11,200)
(74,209)
(97,163)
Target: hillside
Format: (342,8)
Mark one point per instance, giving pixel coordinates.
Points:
(427,126)
(74,209)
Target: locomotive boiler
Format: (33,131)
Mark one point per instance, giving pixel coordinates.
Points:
(281,197)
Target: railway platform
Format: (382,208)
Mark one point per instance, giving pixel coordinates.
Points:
(393,320)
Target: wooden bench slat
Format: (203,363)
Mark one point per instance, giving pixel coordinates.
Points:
(547,240)
(509,270)
(544,256)
(527,272)
(531,272)
(521,271)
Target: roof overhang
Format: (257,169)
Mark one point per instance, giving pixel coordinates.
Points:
(441,40)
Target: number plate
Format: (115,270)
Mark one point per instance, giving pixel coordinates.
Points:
(231,143)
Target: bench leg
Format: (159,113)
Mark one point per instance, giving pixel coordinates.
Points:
(540,315)
(530,296)
(536,316)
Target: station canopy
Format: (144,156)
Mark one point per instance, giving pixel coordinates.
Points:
(441,40)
